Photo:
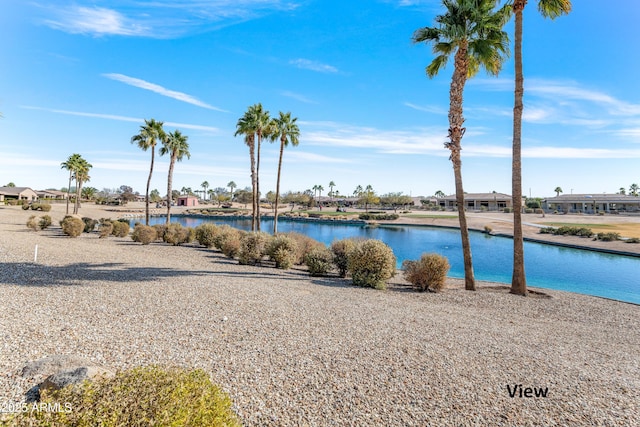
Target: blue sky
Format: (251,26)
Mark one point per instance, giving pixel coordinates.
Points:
(80,76)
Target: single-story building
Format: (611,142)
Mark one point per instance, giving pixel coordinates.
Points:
(17,193)
(52,194)
(187,201)
(478,201)
(592,203)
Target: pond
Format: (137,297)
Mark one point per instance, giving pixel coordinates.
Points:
(553,267)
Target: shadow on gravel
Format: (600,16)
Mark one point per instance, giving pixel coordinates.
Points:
(79,274)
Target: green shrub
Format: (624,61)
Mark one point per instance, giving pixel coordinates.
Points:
(428,273)
(45,222)
(89,224)
(584,232)
(105,229)
(25,207)
(32,223)
(144,234)
(528,211)
(608,237)
(319,261)
(150,396)
(252,247)
(304,245)
(72,226)
(282,249)
(547,230)
(488,229)
(120,228)
(507,210)
(205,234)
(176,234)
(633,240)
(45,207)
(371,264)
(341,250)
(376,217)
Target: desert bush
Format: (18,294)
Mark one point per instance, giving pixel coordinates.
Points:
(25,207)
(89,224)
(72,226)
(528,211)
(120,228)
(45,207)
(488,229)
(304,245)
(507,210)
(633,240)
(45,222)
(608,237)
(341,249)
(282,249)
(428,273)
(205,234)
(252,247)
(547,230)
(319,261)
(105,229)
(376,217)
(584,232)
(32,223)
(151,396)
(176,234)
(160,230)
(371,263)
(144,234)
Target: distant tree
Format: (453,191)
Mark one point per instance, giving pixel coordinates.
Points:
(244,197)
(558,190)
(472,32)
(396,200)
(368,197)
(204,186)
(633,190)
(232,186)
(286,130)
(155,196)
(149,135)
(175,195)
(622,191)
(81,175)
(89,193)
(358,191)
(71,164)
(439,194)
(126,194)
(331,185)
(176,146)
(11,184)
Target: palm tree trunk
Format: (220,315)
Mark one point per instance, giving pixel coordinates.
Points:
(518,279)
(275,213)
(169,184)
(69,191)
(146,199)
(257,196)
(253,185)
(456,131)
(76,204)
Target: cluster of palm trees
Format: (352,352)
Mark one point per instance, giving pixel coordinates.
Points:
(472,32)
(173,143)
(256,125)
(78,169)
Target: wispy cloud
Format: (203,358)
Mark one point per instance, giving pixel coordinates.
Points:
(209,129)
(303,156)
(297,97)
(142,84)
(157,19)
(427,108)
(308,64)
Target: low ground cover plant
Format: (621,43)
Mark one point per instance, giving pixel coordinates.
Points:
(429,273)
(566,230)
(371,263)
(608,237)
(378,217)
(151,396)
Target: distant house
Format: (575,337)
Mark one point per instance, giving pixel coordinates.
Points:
(52,194)
(478,201)
(17,193)
(592,203)
(187,201)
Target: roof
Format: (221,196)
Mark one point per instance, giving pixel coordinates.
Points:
(479,196)
(13,191)
(603,197)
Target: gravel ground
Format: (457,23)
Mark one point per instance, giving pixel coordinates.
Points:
(294,350)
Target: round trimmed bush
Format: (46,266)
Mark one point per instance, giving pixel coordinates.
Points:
(45,207)
(144,234)
(205,233)
(32,223)
(371,264)
(160,230)
(282,249)
(45,222)
(428,273)
(252,247)
(341,249)
(225,233)
(151,396)
(319,261)
(176,234)
(105,229)
(25,207)
(89,224)
(304,245)
(72,226)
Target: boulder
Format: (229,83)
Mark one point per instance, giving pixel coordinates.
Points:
(74,376)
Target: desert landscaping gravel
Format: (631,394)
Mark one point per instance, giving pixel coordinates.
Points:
(293,350)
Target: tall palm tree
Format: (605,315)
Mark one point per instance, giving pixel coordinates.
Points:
(81,175)
(232,186)
(71,164)
(472,32)
(558,190)
(245,127)
(550,9)
(331,185)
(286,129)
(205,185)
(150,134)
(176,145)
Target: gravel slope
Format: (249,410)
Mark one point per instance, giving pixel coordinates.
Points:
(295,350)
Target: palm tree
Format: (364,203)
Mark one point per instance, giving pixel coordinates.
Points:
(176,145)
(71,164)
(232,186)
(622,191)
(205,185)
(320,190)
(472,32)
(358,191)
(439,194)
(558,190)
(549,9)
(286,129)
(150,133)
(331,185)
(81,175)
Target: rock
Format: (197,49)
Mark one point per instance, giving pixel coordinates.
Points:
(74,376)
(54,364)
